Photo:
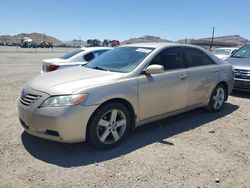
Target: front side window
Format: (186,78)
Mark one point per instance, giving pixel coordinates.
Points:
(244,52)
(194,57)
(169,58)
(122,59)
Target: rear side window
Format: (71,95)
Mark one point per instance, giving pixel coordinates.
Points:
(169,58)
(194,57)
(71,54)
(98,53)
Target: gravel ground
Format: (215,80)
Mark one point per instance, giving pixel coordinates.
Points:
(194,149)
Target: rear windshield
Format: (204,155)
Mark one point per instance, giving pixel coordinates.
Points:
(71,54)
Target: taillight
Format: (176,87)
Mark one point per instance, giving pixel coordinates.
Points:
(50,68)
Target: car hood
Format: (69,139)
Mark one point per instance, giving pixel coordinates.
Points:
(67,81)
(222,56)
(239,63)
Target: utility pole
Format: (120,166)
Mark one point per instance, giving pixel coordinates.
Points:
(80,41)
(16,45)
(212,40)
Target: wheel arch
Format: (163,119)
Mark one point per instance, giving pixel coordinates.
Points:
(122,101)
(226,88)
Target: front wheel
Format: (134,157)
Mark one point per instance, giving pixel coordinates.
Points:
(109,126)
(217,99)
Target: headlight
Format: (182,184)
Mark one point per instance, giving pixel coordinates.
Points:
(67,100)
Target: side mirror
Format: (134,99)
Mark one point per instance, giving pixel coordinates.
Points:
(154,69)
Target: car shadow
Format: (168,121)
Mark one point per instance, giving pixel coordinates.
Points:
(241,94)
(80,154)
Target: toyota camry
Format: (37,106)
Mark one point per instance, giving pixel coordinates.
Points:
(122,89)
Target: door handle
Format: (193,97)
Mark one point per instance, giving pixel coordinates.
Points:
(183,76)
(215,71)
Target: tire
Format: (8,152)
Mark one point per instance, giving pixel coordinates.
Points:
(217,99)
(105,131)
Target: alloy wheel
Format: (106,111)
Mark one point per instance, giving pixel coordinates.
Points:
(218,98)
(111,126)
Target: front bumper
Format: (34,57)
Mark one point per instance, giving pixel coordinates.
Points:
(241,84)
(62,124)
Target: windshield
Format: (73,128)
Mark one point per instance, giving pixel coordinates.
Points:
(123,59)
(71,54)
(221,51)
(244,52)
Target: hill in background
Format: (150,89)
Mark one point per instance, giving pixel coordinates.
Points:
(36,37)
(234,40)
(145,39)
(231,39)
(75,43)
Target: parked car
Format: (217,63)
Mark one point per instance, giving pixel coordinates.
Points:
(93,43)
(224,53)
(45,44)
(27,44)
(241,63)
(74,58)
(122,89)
(106,42)
(115,43)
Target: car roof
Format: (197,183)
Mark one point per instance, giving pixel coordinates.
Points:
(160,45)
(95,48)
(226,48)
(149,45)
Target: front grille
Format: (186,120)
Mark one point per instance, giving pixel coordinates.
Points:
(244,74)
(29,99)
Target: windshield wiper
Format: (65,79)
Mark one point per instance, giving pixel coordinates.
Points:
(99,68)
(237,57)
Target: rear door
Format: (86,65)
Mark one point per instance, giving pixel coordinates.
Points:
(202,74)
(166,92)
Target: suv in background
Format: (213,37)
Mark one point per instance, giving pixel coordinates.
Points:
(241,63)
(28,44)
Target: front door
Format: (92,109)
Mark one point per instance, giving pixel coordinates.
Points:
(166,92)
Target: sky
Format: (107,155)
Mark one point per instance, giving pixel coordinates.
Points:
(124,19)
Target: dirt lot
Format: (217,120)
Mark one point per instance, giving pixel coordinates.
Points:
(195,149)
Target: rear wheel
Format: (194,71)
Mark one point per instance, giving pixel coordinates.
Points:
(109,126)
(217,99)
